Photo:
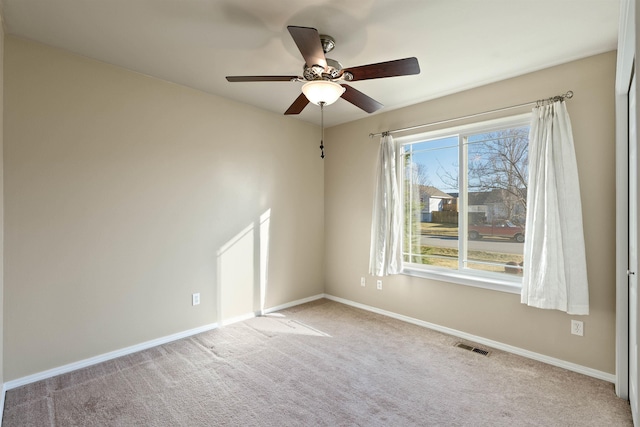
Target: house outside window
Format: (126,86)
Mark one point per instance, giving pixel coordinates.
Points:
(464,197)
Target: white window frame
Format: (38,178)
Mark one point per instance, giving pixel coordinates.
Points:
(468,277)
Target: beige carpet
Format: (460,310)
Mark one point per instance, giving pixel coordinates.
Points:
(319,364)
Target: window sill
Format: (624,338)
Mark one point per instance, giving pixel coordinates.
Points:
(491,283)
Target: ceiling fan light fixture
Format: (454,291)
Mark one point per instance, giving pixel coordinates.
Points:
(322,91)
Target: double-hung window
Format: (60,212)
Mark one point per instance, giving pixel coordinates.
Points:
(465,200)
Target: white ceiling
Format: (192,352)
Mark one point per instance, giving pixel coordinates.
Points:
(459,44)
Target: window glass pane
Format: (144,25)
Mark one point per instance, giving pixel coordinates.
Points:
(431,202)
(465,200)
(497,199)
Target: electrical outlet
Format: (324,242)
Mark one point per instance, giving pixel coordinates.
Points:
(379,285)
(363,281)
(577,327)
(195,299)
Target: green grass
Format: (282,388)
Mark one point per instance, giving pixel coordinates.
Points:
(450,258)
(436,229)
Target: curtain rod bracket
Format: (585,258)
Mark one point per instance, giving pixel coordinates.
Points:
(385,133)
(557,98)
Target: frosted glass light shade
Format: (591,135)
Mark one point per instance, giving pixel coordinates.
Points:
(318,91)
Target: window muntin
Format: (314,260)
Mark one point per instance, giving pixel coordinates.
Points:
(466,220)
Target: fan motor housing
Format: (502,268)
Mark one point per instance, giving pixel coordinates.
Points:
(333,70)
(317,72)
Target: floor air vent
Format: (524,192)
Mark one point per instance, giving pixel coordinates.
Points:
(474,349)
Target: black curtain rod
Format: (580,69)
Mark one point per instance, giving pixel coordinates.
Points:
(562,97)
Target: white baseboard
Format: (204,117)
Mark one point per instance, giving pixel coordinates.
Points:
(248,316)
(135,348)
(105,357)
(237,319)
(490,343)
(293,303)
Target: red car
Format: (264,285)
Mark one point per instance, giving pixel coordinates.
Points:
(498,228)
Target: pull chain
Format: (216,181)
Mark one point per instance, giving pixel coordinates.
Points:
(322,126)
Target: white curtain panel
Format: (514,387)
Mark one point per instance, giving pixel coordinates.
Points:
(555,269)
(386,225)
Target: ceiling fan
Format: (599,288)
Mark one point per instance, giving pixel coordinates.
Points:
(324,77)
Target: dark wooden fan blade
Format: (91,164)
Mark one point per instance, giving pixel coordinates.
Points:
(399,67)
(308,42)
(298,105)
(261,78)
(360,100)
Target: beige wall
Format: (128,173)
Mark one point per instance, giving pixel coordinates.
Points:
(349,177)
(126,194)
